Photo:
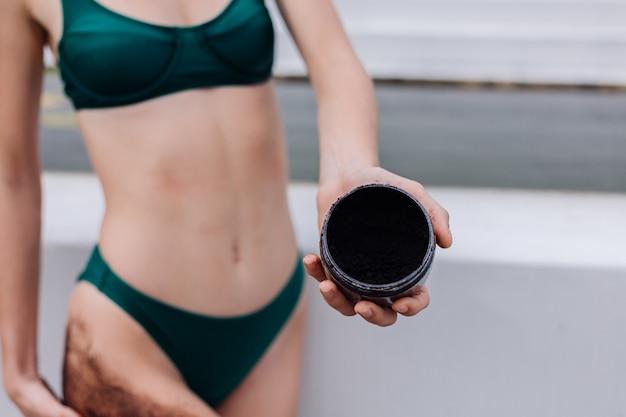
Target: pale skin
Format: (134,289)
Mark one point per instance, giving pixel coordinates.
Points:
(162,164)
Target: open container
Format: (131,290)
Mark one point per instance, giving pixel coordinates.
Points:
(377,243)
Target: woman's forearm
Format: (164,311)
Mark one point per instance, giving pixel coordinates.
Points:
(20,203)
(347,117)
(21,70)
(347,114)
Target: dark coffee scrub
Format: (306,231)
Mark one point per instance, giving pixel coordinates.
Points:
(377,243)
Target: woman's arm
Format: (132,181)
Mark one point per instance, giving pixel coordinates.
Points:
(348,127)
(21,69)
(347,113)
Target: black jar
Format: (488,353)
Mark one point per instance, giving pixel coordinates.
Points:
(377,243)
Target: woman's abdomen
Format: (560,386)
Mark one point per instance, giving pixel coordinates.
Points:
(195,186)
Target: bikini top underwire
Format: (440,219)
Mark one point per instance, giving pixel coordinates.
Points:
(108,59)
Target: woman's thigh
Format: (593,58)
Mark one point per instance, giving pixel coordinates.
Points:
(272,387)
(114,368)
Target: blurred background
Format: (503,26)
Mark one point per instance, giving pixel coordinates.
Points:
(513,114)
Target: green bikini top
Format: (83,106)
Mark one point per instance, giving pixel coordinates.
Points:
(108,59)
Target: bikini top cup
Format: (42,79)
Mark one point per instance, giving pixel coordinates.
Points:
(108,59)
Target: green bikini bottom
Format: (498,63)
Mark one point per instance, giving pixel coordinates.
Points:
(213,354)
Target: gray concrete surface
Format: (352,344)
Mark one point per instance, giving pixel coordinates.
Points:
(497,340)
(442,136)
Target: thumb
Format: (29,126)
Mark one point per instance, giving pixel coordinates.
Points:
(38,399)
(68,412)
(55,409)
(61,409)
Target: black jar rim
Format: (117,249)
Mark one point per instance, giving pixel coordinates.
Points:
(414,278)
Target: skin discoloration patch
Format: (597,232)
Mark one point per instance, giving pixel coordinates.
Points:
(91,390)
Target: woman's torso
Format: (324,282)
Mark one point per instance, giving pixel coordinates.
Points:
(195,181)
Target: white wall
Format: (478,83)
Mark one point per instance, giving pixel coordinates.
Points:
(536,41)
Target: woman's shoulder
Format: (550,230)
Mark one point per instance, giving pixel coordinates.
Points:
(21,65)
(19,9)
(18,29)
(17,16)
(36,16)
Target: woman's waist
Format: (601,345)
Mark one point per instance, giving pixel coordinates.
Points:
(229,217)
(202,270)
(197,208)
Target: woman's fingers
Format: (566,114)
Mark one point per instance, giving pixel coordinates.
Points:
(371,312)
(35,399)
(68,412)
(410,306)
(332,295)
(375,314)
(407,306)
(53,410)
(335,298)
(313,267)
(441,225)
(438,215)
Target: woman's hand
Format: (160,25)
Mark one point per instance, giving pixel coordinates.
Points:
(372,312)
(35,399)
(328,193)
(330,190)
